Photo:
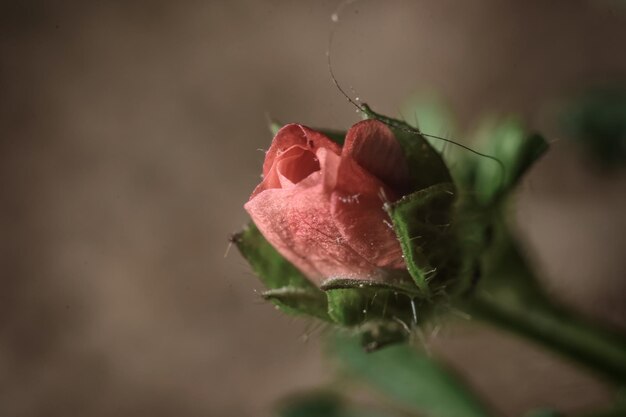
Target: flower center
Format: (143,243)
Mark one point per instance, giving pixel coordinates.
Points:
(297,163)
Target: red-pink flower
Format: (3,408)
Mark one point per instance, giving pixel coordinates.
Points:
(321,206)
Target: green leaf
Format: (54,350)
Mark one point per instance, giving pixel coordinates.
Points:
(410,378)
(596,120)
(313,404)
(514,148)
(527,153)
(289,288)
(426,165)
(431,116)
(422,221)
(322,404)
(274,126)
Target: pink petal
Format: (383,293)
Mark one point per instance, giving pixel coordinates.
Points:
(295,134)
(297,222)
(295,165)
(323,209)
(366,228)
(357,207)
(290,167)
(373,146)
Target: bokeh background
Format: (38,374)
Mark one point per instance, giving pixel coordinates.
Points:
(132,132)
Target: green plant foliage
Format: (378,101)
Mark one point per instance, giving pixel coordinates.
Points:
(323,404)
(287,287)
(274,126)
(345,302)
(422,222)
(414,380)
(314,404)
(597,120)
(484,185)
(512,150)
(431,116)
(353,306)
(510,296)
(396,281)
(294,300)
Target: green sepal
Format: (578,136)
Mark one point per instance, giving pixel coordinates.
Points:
(274,126)
(514,148)
(411,378)
(337,136)
(288,288)
(486,183)
(426,166)
(295,301)
(354,306)
(397,281)
(422,222)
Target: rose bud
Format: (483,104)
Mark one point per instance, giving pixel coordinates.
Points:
(371,235)
(322,206)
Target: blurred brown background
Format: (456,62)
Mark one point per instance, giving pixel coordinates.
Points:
(130,135)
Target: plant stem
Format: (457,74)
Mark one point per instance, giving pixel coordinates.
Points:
(563,331)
